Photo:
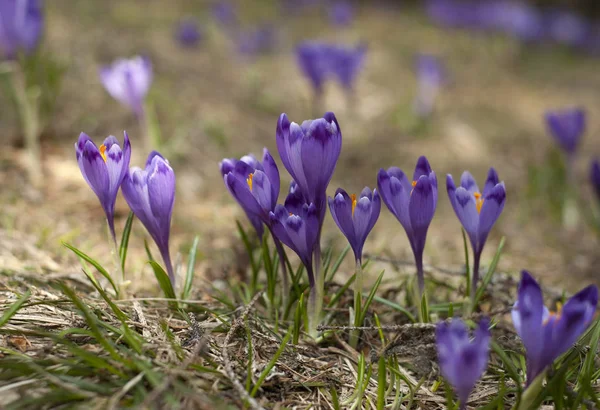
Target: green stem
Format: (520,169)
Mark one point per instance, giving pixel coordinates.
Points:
(358,288)
(315,305)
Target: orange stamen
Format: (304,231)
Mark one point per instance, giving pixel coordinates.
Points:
(103,152)
(414,184)
(353,197)
(249,181)
(556,315)
(478,201)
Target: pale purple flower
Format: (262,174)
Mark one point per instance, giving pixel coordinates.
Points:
(21,26)
(567,126)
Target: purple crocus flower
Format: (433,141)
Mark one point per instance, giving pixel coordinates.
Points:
(462,361)
(224,13)
(566,28)
(150,193)
(21,26)
(104,169)
(346,63)
(595,176)
(188,33)
(546,335)
(341,13)
(254,185)
(567,127)
(477,211)
(128,81)
(430,78)
(260,40)
(296,224)
(412,203)
(355,216)
(314,61)
(310,152)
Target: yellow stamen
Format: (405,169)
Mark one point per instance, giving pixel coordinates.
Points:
(103,152)
(291,214)
(249,181)
(414,184)
(478,201)
(556,315)
(353,197)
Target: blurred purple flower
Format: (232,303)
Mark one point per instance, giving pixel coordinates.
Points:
(412,203)
(346,63)
(254,185)
(453,13)
(595,176)
(21,26)
(150,193)
(224,13)
(566,28)
(296,224)
(188,33)
(355,217)
(462,361)
(567,126)
(313,59)
(341,13)
(261,40)
(545,335)
(430,78)
(104,169)
(128,81)
(477,212)
(521,21)
(310,152)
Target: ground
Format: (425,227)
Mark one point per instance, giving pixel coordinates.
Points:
(212,104)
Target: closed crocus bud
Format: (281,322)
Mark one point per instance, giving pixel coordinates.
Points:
(462,361)
(413,203)
(567,126)
(430,78)
(150,193)
(547,335)
(310,152)
(104,169)
(355,217)
(346,63)
(128,81)
(595,176)
(341,13)
(188,33)
(21,26)
(477,211)
(314,61)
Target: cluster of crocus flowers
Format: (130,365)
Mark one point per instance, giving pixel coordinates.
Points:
(462,360)
(477,211)
(413,203)
(21,26)
(547,335)
(150,193)
(430,78)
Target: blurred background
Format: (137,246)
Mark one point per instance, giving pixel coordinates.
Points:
(466,83)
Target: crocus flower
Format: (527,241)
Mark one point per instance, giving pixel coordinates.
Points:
(355,216)
(150,193)
(347,63)
(567,127)
(566,28)
(104,169)
(547,335)
(21,26)
(224,13)
(310,152)
(341,13)
(462,361)
(430,78)
(254,185)
(188,33)
(412,203)
(315,63)
(128,81)
(477,211)
(595,176)
(260,40)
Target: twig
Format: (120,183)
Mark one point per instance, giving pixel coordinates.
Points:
(388,327)
(237,323)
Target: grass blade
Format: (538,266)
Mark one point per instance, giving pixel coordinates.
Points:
(163,280)
(187,286)
(95,264)
(488,276)
(271,364)
(125,240)
(14,308)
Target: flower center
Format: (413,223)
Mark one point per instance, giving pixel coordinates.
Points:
(249,181)
(555,315)
(353,197)
(414,184)
(478,201)
(103,152)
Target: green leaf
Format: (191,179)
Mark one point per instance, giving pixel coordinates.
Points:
(271,364)
(488,276)
(95,264)
(381,381)
(397,307)
(187,286)
(163,280)
(14,308)
(337,263)
(125,240)
(370,297)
